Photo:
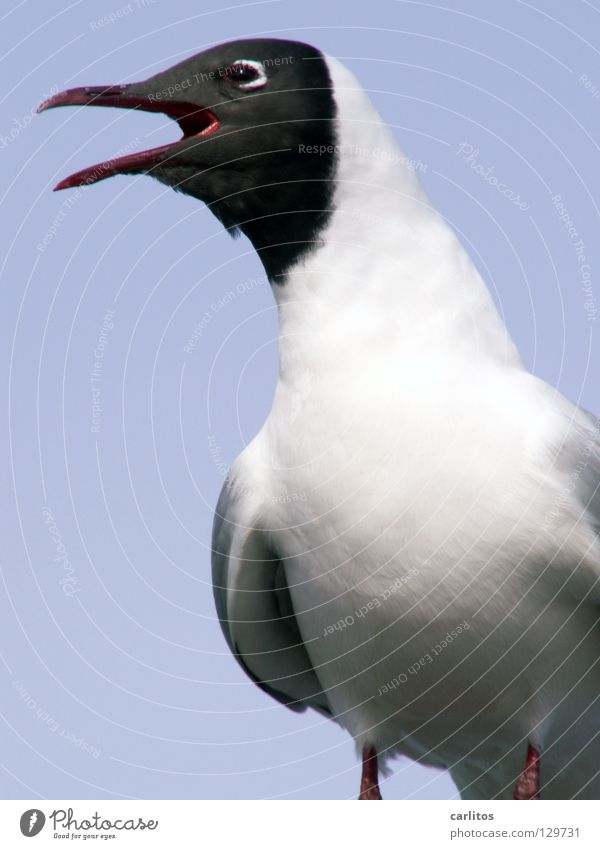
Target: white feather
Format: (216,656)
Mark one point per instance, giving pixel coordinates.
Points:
(416,481)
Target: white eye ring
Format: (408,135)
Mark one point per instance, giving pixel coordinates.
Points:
(259,80)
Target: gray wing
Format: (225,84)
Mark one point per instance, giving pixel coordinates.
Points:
(255,609)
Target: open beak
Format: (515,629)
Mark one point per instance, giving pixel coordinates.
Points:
(194,121)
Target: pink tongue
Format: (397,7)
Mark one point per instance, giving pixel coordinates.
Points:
(143,159)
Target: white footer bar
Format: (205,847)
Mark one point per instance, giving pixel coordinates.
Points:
(299,825)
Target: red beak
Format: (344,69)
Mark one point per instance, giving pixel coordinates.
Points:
(193,120)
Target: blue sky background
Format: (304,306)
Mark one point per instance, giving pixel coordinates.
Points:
(119,683)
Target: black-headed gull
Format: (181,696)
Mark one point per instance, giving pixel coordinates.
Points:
(410,544)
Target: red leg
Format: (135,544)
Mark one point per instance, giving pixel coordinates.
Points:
(528,785)
(369,783)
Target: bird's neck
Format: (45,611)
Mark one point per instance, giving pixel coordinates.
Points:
(386,274)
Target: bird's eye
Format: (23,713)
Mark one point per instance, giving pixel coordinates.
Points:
(245,74)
